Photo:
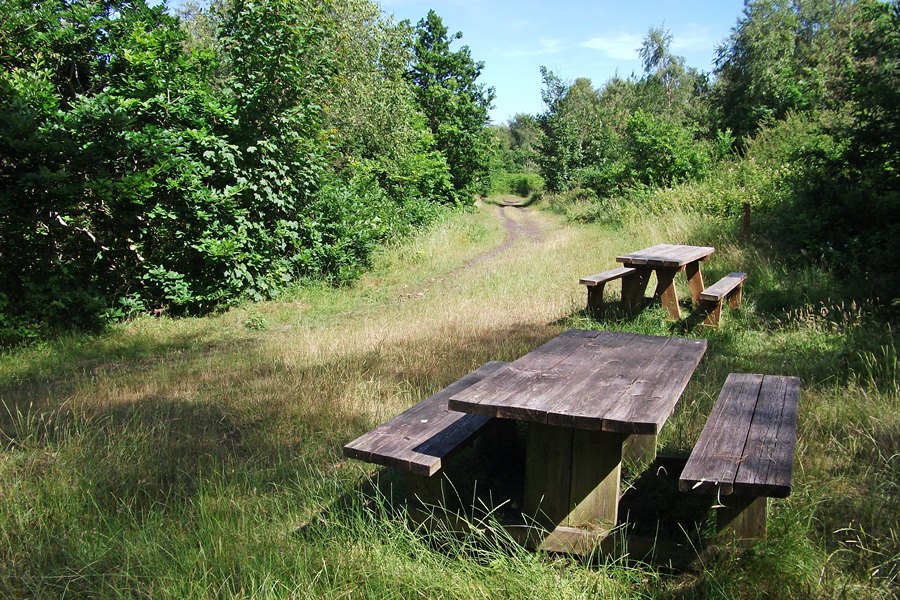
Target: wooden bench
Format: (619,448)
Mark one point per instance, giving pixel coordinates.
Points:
(596,283)
(729,287)
(419,439)
(745,453)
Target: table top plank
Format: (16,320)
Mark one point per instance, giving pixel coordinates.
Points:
(717,453)
(666,255)
(767,467)
(604,389)
(577,379)
(601,354)
(499,394)
(654,395)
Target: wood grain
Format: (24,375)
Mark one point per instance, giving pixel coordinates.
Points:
(420,437)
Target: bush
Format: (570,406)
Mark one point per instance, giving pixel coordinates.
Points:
(663,152)
(520,184)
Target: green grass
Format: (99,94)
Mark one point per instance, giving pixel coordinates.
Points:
(200,458)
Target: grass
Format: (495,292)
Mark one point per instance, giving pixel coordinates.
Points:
(200,458)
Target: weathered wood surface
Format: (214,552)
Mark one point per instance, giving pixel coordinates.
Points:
(666,255)
(596,283)
(747,445)
(420,437)
(722,288)
(615,382)
(606,276)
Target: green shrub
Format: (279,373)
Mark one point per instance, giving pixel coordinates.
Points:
(663,152)
(519,184)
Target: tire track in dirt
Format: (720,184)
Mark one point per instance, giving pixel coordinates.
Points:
(514,229)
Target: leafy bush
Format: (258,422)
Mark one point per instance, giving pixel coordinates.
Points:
(519,184)
(137,174)
(663,152)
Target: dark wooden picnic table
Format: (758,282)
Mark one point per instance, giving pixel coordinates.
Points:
(667,260)
(582,394)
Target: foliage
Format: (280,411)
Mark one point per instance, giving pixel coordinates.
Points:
(519,184)
(662,152)
(780,57)
(153,163)
(454,104)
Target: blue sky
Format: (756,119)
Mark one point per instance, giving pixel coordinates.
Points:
(574,39)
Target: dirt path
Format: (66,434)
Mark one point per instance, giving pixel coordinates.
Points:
(526,225)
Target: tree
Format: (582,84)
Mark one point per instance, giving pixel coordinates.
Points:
(776,60)
(455,105)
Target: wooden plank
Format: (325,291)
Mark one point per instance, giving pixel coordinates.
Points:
(695,280)
(667,255)
(600,360)
(605,276)
(640,257)
(588,405)
(688,254)
(655,393)
(500,392)
(418,438)
(596,474)
(665,290)
(767,467)
(741,518)
(717,291)
(717,454)
(634,287)
(548,472)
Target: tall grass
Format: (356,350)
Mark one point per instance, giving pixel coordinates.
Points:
(200,458)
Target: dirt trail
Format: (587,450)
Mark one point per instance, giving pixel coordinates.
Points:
(526,226)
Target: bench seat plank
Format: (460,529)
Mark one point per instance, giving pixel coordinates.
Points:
(767,468)
(606,276)
(747,445)
(717,454)
(420,437)
(720,289)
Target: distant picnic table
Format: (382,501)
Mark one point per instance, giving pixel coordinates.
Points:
(667,260)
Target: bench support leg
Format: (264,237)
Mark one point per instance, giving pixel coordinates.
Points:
(713,312)
(633,288)
(742,517)
(734,300)
(572,477)
(595,298)
(421,490)
(695,280)
(665,290)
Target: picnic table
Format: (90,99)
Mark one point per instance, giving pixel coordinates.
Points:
(666,260)
(582,394)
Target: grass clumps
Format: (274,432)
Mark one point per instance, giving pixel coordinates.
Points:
(201,457)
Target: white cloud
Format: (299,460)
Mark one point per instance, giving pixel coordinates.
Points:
(693,37)
(620,46)
(545,47)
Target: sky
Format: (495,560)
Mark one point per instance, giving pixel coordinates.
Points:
(574,39)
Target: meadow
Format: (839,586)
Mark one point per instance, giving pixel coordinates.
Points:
(201,457)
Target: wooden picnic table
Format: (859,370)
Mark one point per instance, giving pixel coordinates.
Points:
(666,260)
(582,394)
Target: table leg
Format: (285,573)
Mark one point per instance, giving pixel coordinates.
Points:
(634,286)
(695,279)
(572,476)
(639,448)
(665,291)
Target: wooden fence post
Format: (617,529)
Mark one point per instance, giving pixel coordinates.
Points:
(746,229)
